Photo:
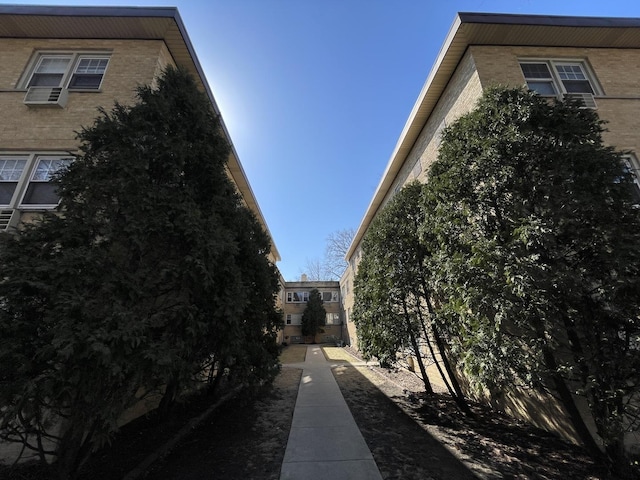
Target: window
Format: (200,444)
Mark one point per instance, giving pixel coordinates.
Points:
(73,70)
(329,296)
(294,319)
(332,319)
(554,78)
(25,180)
(633,167)
(294,297)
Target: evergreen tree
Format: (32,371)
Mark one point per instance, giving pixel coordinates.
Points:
(314,314)
(539,267)
(152,267)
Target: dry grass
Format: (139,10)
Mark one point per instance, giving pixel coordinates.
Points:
(293,354)
(337,354)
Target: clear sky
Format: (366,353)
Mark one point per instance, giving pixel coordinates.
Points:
(315,93)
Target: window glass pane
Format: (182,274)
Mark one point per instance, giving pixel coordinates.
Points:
(47,167)
(571,72)
(85,81)
(577,86)
(43,193)
(53,65)
(629,167)
(535,70)
(542,88)
(6,192)
(92,65)
(45,80)
(11,169)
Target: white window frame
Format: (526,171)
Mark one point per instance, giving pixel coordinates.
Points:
(75,58)
(303,297)
(555,79)
(27,178)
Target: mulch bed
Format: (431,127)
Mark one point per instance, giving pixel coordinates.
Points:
(401,423)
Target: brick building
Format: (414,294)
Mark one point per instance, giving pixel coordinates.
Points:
(594,59)
(294,301)
(59,64)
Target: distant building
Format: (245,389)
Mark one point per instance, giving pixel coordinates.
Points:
(294,301)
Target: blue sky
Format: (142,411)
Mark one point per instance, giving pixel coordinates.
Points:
(315,94)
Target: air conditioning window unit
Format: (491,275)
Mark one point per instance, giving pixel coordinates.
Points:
(46,96)
(5,219)
(586,99)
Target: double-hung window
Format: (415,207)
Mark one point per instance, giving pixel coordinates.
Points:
(25,180)
(560,79)
(75,71)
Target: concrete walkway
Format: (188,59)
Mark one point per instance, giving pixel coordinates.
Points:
(324,442)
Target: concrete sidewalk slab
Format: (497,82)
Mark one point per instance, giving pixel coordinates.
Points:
(324,441)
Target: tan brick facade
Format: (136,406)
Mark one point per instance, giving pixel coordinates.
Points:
(294,302)
(131,63)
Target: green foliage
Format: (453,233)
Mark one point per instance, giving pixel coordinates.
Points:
(153,268)
(538,259)
(314,314)
(388,278)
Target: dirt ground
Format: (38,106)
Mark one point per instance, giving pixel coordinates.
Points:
(410,435)
(415,436)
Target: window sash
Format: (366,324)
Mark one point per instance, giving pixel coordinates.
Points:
(40,191)
(50,71)
(88,73)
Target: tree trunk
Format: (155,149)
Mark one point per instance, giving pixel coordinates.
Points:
(416,348)
(169,397)
(73,449)
(459,396)
(566,398)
